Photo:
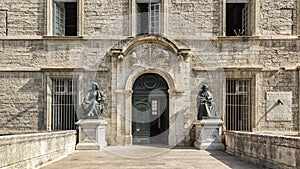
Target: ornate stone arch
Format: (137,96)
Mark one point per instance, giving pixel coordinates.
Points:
(173,87)
(174,91)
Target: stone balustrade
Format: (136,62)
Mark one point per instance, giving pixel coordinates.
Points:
(269,150)
(34,150)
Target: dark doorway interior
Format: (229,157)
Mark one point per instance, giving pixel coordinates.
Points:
(150,111)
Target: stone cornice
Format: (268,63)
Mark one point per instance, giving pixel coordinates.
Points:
(62,69)
(229,68)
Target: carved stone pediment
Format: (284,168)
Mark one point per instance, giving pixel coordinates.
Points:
(124,47)
(150,55)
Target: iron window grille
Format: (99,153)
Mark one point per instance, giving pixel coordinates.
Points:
(238,104)
(64,104)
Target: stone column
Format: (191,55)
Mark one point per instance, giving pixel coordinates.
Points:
(172,118)
(124,113)
(128,116)
(176,131)
(120,117)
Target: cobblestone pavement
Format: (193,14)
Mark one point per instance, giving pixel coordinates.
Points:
(140,157)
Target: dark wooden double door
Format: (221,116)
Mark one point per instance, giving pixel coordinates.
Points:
(150,110)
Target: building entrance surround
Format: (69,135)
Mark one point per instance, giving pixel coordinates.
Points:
(154,59)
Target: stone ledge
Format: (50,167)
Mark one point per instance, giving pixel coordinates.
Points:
(20,69)
(72,69)
(228,68)
(63,37)
(249,38)
(36,149)
(62,69)
(269,150)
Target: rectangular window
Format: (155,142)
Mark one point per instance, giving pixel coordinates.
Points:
(154,107)
(148,17)
(154,18)
(64,18)
(237,18)
(64,104)
(238,104)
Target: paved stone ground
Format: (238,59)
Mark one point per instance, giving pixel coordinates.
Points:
(141,157)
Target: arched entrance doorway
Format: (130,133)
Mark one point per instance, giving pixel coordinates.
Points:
(150,110)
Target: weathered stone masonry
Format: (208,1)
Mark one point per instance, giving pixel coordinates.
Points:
(269,56)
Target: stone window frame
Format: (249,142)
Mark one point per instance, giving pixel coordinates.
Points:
(254,13)
(49,74)
(133,22)
(244,73)
(49,16)
(298,25)
(298,69)
(5,19)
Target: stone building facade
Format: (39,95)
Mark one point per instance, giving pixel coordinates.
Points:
(165,48)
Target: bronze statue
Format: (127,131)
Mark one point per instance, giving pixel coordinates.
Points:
(206,105)
(94,102)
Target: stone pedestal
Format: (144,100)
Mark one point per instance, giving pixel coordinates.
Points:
(91,134)
(208,134)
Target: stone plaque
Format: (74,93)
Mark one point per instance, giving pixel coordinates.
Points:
(279,106)
(89,134)
(211,134)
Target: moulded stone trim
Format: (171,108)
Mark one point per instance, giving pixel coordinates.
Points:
(173,86)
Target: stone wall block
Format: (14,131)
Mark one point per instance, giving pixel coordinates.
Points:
(36,149)
(271,151)
(298,155)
